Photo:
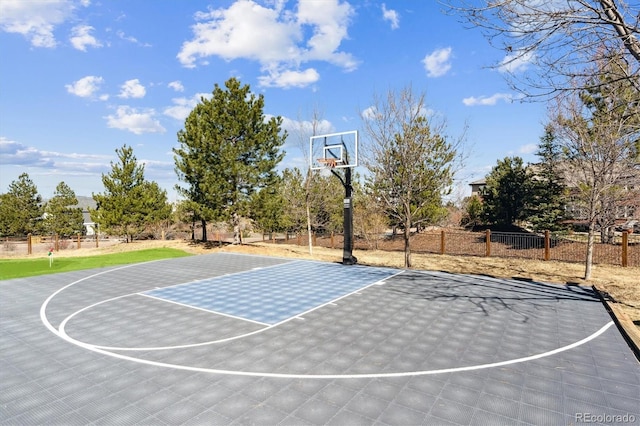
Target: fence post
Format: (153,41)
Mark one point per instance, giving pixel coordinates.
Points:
(55,242)
(625,247)
(29,246)
(79,241)
(487,251)
(547,245)
(332,245)
(442,250)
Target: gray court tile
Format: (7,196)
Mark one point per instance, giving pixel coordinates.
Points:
(484,418)
(262,415)
(414,321)
(235,405)
(460,394)
(287,399)
(367,405)
(127,415)
(396,414)
(346,417)
(452,411)
(505,408)
(414,400)
(317,411)
(179,412)
(537,415)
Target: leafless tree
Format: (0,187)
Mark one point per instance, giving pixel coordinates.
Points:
(549,42)
(317,125)
(600,134)
(410,159)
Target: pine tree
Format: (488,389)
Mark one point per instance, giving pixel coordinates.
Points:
(228,150)
(121,208)
(21,208)
(62,216)
(506,192)
(546,208)
(155,207)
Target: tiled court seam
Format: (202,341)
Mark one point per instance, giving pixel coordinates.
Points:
(414,321)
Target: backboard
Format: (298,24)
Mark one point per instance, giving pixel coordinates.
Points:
(334,150)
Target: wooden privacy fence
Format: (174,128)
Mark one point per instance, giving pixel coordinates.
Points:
(624,251)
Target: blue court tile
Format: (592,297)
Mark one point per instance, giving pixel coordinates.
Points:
(274,294)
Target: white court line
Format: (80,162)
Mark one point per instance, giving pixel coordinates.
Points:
(202,309)
(62,334)
(193,345)
(329,376)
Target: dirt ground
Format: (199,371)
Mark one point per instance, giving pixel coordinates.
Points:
(621,286)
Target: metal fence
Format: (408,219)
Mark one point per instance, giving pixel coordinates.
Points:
(624,251)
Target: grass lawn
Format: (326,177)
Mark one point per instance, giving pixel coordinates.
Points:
(19,268)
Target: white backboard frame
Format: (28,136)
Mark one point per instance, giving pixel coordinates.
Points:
(342,147)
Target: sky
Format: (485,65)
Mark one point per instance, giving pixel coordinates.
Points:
(82,78)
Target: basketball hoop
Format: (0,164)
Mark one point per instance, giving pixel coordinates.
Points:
(329,163)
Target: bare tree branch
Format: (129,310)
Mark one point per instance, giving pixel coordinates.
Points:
(548,44)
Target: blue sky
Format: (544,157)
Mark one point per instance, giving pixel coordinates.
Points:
(81,78)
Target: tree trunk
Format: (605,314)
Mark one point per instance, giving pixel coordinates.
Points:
(590,241)
(204,230)
(307,203)
(309,237)
(407,245)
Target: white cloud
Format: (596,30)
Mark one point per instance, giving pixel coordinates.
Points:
(86,87)
(529,148)
(81,38)
(369,113)
(516,62)
(290,78)
(305,127)
(274,37)
(176,85)
(488,100)
(183,106)
(35,20)
(121,34)
(17,154)
(132,89)
(391,16)
(438,62)
(329,21)
(134,120)
(244,30)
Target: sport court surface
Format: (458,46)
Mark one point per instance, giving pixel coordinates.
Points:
(236,339)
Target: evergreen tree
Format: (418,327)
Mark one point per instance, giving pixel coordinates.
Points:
(267,208)
(473,212)
(546,208)
(155,207)
(506,192)
(292,189)
(62,214)
(121,209)
(21,208)
(228,150)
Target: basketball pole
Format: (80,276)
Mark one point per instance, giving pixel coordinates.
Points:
(347,252)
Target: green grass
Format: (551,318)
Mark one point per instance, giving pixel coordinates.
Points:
(20,268)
